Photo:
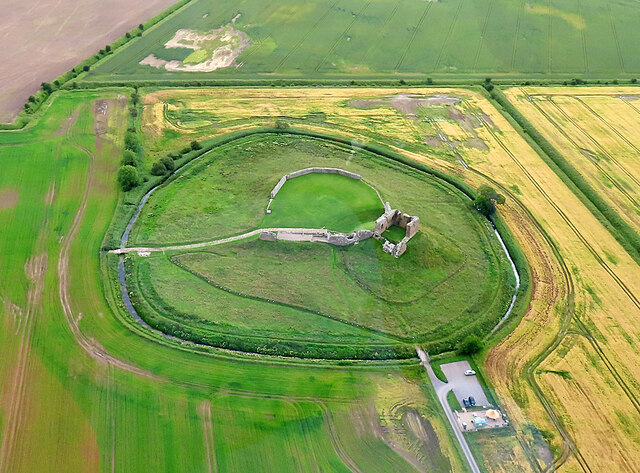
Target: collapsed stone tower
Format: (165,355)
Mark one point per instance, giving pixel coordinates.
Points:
(395,218)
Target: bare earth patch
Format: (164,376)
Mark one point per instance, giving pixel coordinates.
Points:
(41,41)
(8,198)
(220,49)
(406,103)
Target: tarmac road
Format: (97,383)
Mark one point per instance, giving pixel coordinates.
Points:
(441,391)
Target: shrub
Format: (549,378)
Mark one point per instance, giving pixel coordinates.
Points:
(48,88)
(107,48)
(281,125)
(195,145)
(128,158)
(168,163)
(470,345)
(158,169)
(86,68)
(130,141)
(486,201)
(128,178)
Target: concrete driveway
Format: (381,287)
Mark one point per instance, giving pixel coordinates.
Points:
(464,386)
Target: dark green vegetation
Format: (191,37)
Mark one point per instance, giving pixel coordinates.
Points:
(385,38)
(314,299)
(336,202)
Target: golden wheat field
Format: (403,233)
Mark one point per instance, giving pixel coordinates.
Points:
(571,367)
(597,130)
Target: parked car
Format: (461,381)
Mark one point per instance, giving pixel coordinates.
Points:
(472,401)
(469,373)
(465,401)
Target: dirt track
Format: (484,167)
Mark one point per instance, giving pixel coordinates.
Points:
(42,39)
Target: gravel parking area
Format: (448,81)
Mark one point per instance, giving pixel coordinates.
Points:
(464,386)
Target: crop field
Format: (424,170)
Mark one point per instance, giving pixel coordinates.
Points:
(383,38)
(360,295)
(597,132)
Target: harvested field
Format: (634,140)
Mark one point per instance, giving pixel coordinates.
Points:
(596,130)
(37,48)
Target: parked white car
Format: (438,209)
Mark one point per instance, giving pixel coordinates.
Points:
(469,373)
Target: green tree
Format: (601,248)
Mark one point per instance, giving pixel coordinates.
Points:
(470,345)
(158,169)
(195,145)
(131,141)
(168,163)
(128,178)
(128,158)
(48,88)
(486,201)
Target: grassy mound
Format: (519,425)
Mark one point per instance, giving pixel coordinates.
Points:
(314,299)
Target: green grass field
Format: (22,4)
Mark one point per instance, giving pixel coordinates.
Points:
(90,391)
(314,299)
(336,202)
(387,38)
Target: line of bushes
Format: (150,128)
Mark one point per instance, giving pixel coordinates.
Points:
(620,229)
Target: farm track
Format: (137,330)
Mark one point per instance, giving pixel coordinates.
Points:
(568,445)
(615,37)
(514,51)
(305,36)
(616,132)
(89,345)
(35,268)
(341,36)
(413,36)
(485,24)
(583,40)
(448,35)
(549,38)
(335,440)
(566,135)
(629,393)
(383,32)
(209,438)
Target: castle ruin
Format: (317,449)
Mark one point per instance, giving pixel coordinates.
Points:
(390,218)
